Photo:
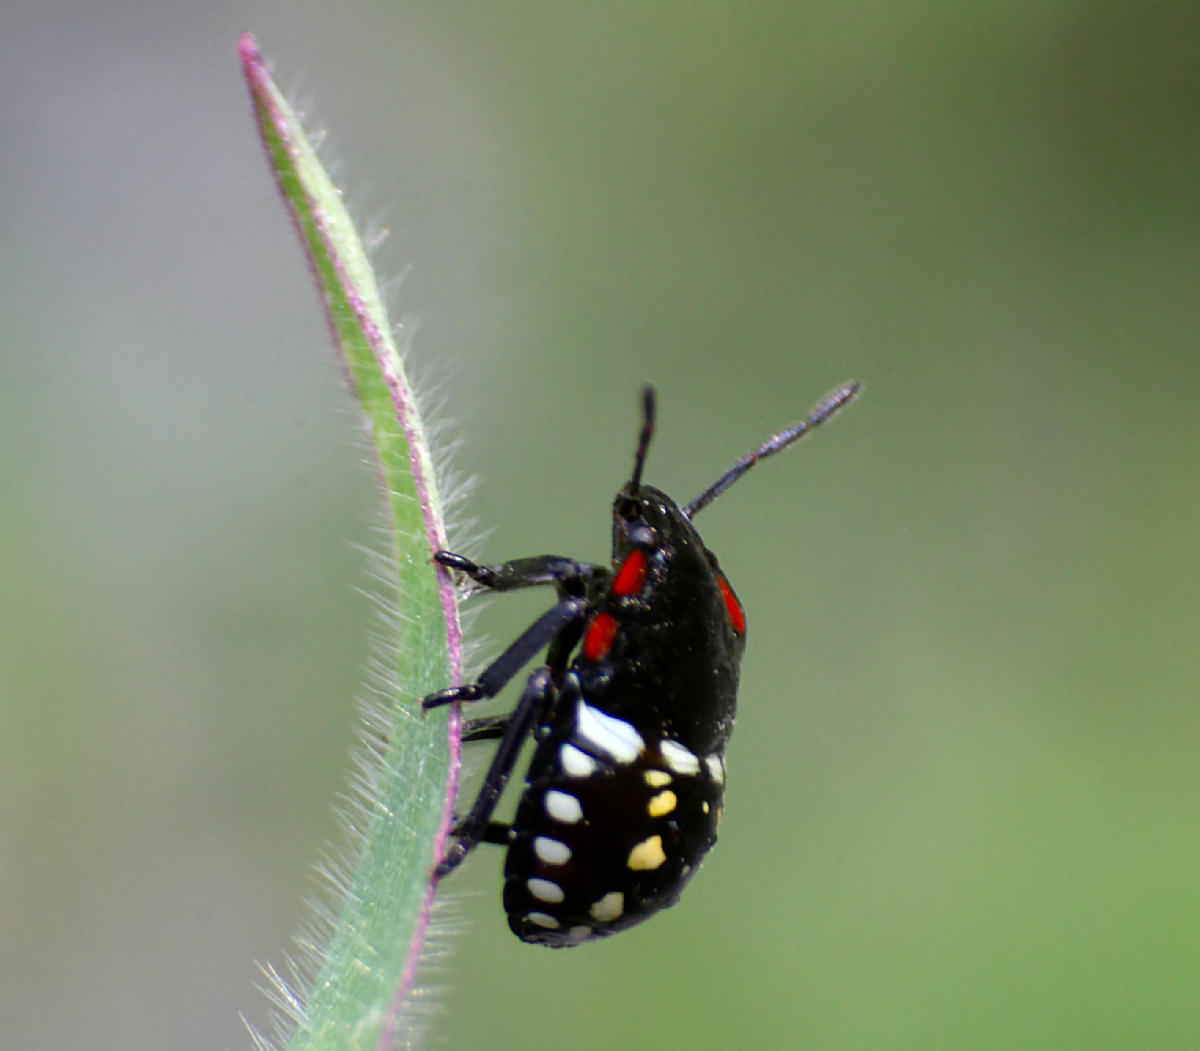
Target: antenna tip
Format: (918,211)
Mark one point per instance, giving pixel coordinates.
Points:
(648,402)
(833,401)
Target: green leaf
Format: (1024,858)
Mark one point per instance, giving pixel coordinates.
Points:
(362,966)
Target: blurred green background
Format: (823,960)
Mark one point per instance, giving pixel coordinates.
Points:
(964,802)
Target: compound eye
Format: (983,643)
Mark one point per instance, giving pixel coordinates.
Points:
(630,508)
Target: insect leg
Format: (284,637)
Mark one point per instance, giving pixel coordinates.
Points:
(474,828)
(497,674)
(489,728)
(570,576)
(497,833)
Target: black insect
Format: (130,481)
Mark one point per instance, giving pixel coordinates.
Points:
(623,794)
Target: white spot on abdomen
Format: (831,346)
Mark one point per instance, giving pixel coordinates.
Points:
(551,851)
(605,733)
(545,890)
(681,760)
(576,763)
(563,807)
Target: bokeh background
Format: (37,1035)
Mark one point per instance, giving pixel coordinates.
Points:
(964,805)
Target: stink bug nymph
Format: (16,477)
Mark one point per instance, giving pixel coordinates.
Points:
(631,712)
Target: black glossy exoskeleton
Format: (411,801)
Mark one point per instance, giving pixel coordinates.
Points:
(631,712)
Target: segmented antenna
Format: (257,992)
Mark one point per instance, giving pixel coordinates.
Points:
(825,408)
(639,458)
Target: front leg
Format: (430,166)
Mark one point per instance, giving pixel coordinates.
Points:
(569,576)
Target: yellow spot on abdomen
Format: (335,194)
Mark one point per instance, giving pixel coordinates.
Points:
(647,855)
(663,803)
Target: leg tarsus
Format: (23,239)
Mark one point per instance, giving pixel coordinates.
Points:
(489,728)
(467,692)
(480,574)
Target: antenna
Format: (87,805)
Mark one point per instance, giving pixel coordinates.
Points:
(639,458)
(825,408)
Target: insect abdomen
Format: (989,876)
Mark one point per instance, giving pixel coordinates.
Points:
(610,828)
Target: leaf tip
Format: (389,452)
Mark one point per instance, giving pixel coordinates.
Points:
(254,69)
(248,50)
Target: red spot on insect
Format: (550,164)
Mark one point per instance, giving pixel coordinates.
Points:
(632,574)
(737,615)
(599,638)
